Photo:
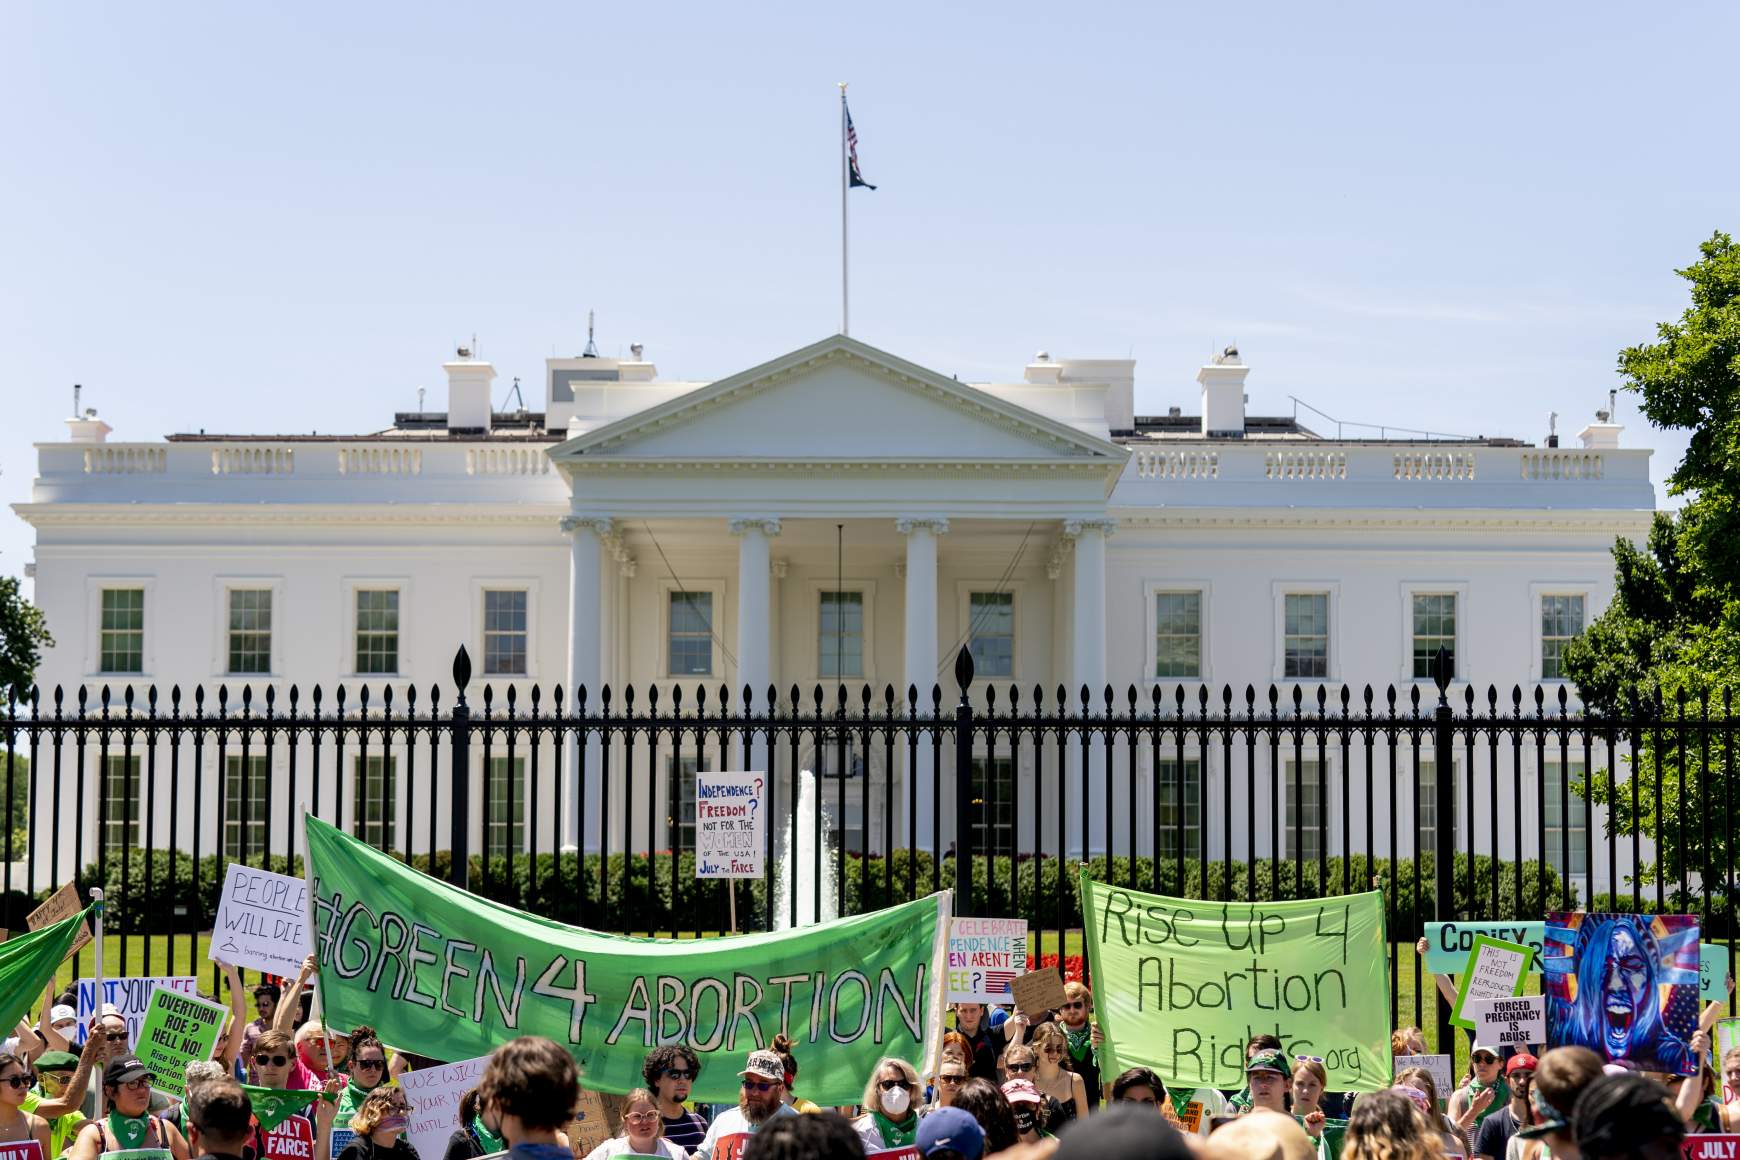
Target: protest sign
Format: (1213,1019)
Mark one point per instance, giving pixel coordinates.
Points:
(290,1139)
(1190,1119)
(1037,992)
(140,1154)
(177,1030)
(1448,943)
(341,1138)
(590,1126)
(21,1149)
(985,955)
(1623,985)
(1494,970)
(730,825)
(130,997)
(1710,1146)
(1515,1021)
(61,904)
(1181,985)
(262,921)
(1727,1039)
(1441,1068)
(433,1093)
(455,974)
(910,1152)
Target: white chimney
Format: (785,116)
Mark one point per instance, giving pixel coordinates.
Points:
(1601,434)
(1223,394)
(1043,370)
(87,428)
(468,392)
(1119,376)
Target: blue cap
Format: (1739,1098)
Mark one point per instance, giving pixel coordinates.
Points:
(999,1017)
(951,1128)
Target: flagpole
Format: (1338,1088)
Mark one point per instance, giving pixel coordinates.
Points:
(845,173)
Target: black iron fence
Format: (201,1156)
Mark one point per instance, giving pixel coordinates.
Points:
(579,806)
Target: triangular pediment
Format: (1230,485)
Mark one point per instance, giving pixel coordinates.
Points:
(842,400)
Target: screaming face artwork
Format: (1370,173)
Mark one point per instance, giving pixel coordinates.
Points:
(1623,985)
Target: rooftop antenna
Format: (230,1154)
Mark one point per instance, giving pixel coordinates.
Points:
(76,390)
(419,400)
(514,391)
(591,350)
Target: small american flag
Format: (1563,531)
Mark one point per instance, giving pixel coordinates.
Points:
(857,178)
(998,982)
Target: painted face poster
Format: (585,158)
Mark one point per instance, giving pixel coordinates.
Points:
(1624,986)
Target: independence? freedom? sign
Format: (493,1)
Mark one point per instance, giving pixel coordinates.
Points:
(730,825)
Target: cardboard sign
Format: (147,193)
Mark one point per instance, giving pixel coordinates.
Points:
(177,1030)
(22,1149)
(1038,991)
(1710,1147)
(985,955)
(730,824)
(130,996)
(1190,1119)
(63,903)
(262,922)
(1440,1067)
(341,1138)
(1494,970)
(291,1140)
(433,1094)
(1514,1022)
(1448,943)
(590,1127)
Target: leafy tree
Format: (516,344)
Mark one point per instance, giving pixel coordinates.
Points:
(23,636)
(1670,640)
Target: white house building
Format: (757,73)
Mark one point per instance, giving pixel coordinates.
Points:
(836,512)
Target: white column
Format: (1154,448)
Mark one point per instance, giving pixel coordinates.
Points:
(585,653)
(754,607)
(921,668)
(1088,667)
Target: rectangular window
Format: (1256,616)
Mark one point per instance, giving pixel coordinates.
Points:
(1426,807)
(1434,629)
(994,804)
(504,632)
(1168,771)
(680,772)
(689,650)
(122,633)
(505,835)
(120,801)
(377,630)
(1303,790)
(250,632)
(991,633)
(1305,645)
(245,804)
(1561,622)
(1567,832)
(841,635)
(1178,634)
(376,800)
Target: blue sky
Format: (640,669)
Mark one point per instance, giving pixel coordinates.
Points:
(1446,217)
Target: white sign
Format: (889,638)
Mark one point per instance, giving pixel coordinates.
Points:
(130,996)
(985,956)
(1438,1066)
(1515,1021)
(434,1093)
(262,921)
(730,824)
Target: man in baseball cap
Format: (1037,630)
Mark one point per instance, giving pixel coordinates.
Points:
(950,1134)
(1268,1075)
(761,1099)
(1495,1131)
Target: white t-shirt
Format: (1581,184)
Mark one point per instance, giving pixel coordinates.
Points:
(731,1122)
(619,1147)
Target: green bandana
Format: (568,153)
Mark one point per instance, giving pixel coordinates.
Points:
(490,1141)
(1081,1043)
(893,1134)
(129,1131)
(273,1106)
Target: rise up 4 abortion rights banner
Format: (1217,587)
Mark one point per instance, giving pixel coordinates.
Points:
(453,976)
(1180,985)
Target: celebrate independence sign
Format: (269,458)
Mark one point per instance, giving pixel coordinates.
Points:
(452,976)
(1180,985)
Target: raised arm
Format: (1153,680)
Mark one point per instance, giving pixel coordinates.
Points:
(1692,1090)
(73,1095)
(29,1042)
(52,1039)
(284,1018)
(229,1046)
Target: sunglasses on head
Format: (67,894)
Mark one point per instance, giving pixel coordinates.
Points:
(757,1085)
(678,1073)
(271,1060)
(1308,1059)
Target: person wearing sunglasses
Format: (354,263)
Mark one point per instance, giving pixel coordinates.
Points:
(761,1099)
(271,1063)
(62,1082)
(642,1126)
(1083,1038)
(890,1118)
(670,1073)
(129,1124)
(16,1124)
(949,1077)
(368,1071)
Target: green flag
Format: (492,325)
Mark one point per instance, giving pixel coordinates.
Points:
(272,1106)
(449,975)
(29,961)
(1181,984)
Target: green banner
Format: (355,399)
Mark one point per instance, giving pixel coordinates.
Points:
(1181,984)
(449,975)
(29,961)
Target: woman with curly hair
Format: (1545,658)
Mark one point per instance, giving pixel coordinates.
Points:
(1389,1126)
(380,1125)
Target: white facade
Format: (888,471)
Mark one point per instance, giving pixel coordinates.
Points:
(631,506)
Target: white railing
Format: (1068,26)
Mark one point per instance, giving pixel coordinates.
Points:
(262,460)
(380,461)
(126,460)
(1305,465)
(1184,464)
(507,461)
(1435,465)
(1562,465)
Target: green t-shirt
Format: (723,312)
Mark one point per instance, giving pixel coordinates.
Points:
(61,1129)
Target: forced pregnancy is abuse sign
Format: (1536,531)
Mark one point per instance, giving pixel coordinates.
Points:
(1181,984)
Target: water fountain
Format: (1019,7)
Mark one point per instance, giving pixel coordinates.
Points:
(809,886)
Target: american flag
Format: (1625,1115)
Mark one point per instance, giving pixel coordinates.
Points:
(857,178)
(998,982)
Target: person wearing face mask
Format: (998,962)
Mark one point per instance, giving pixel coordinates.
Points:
(890,1120)
(61,1083)
(641,1130)
(380,1125)
(1027,1107)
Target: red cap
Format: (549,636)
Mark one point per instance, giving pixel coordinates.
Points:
(1520,1061)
